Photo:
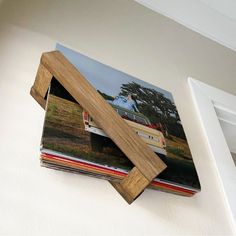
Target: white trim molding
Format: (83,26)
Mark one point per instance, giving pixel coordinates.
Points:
(214,19)
(209,102)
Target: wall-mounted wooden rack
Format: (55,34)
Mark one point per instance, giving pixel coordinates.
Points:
(147,164)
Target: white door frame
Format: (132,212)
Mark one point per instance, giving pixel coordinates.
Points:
(207,99)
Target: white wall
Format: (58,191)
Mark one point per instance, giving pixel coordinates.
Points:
(123,34)
(130,37)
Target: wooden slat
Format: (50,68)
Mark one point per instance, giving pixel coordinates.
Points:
(41,84)
(132,185)
(147,164)
(41,100)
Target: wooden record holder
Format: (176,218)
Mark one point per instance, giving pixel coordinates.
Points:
(147,164)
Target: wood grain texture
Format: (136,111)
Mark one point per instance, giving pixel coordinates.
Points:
(41,84)
(147,164)
(41,100)
(132,185)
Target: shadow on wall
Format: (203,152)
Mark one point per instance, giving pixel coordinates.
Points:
(234,157)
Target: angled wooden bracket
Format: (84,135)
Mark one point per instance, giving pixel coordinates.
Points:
(147,164)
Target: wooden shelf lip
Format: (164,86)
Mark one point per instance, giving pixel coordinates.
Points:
(147,164)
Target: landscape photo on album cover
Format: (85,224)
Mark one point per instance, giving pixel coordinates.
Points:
(72,141)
